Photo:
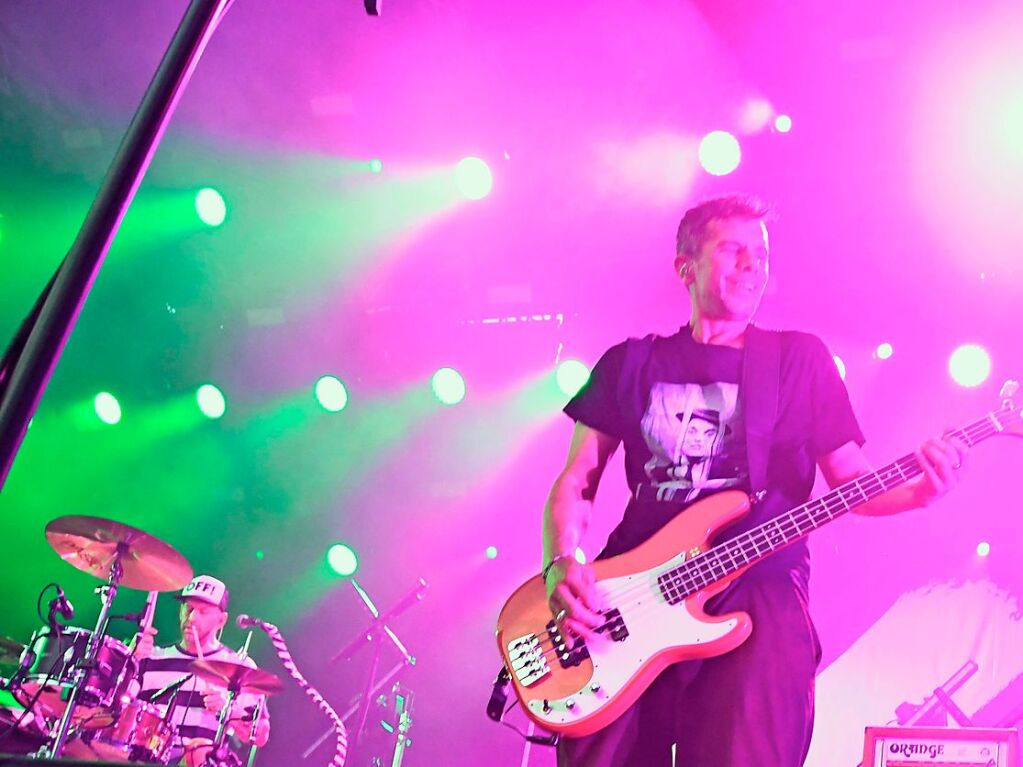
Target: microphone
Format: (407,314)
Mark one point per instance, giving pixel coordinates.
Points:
(61,605)
(247,621)
(172,687)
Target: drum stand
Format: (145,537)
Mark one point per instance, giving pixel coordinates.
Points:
(107,593)
(219,755)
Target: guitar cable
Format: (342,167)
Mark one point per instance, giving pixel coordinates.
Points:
(496,710)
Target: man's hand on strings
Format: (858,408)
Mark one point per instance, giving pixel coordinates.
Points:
(573,598)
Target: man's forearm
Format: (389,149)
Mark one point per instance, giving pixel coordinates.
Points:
(895,501)
(565,519)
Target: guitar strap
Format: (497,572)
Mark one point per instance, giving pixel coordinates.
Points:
(761,376)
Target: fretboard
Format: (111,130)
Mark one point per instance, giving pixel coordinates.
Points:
(759,543)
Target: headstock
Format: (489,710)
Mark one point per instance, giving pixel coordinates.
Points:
(1009,417)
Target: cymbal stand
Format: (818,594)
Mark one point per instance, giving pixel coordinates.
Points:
(107,592)
(218,754)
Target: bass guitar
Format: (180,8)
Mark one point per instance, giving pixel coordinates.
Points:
(654,597)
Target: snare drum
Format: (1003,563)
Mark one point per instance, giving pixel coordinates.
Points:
(104,683)
(140,734)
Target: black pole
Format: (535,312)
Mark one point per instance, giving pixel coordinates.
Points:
(45,342)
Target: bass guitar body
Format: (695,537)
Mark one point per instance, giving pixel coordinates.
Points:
(576,689)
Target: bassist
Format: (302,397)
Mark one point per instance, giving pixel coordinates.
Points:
(721,404)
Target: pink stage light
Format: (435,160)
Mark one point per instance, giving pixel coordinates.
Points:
(756,115)
(720,153)
(969,365)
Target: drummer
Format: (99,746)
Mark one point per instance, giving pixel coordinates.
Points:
(197,705)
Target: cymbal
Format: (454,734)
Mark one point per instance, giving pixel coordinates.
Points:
(92,544)
(236,676)
(10,651)
(51,700)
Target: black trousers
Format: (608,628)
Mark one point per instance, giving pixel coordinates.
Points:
(752,707)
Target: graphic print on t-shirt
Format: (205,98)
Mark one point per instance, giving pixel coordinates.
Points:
(696,439)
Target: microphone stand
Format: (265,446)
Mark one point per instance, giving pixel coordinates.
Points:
(374,633)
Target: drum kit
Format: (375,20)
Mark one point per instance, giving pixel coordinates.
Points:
(73,691)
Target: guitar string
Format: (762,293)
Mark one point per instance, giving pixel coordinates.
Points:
(707,562)
(706,566)
(902,469)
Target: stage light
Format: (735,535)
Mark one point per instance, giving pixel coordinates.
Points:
(473,178)
(375,166)
(448,386)
(983,549)
(969,365)
(210,206)
(840,365)
(719,153)
(571,376)
(883,351)
(331,394)
(260,554)
(342,560)
(491,552)
(107,408)
(783,123)
(755,116)
(211,401)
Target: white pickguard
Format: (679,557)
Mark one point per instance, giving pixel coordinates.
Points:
(653,625)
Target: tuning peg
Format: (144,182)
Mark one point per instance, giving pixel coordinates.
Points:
(1009,389)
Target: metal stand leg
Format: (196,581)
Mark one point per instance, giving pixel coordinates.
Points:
(218,753)
(367,695)
(107,594)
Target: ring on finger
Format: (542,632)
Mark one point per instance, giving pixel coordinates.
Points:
(957,466)
(561,614)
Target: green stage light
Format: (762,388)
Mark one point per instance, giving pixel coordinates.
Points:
(211,401)
(572,375)
(107,408)
(210,206)
(331,394)
(491,552)
(448,386)
(375,166)
(473,178)
(342,560)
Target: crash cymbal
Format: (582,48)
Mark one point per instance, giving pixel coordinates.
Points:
(10,651)
(93,544)
(236,676)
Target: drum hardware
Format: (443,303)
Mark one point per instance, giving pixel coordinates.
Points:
(123,555)
(238,679)
(107,593)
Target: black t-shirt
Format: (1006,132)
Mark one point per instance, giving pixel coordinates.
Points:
(678,408)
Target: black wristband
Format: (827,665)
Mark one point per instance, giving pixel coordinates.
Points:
(547,570)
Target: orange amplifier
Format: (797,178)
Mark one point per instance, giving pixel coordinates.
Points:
(940,747)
